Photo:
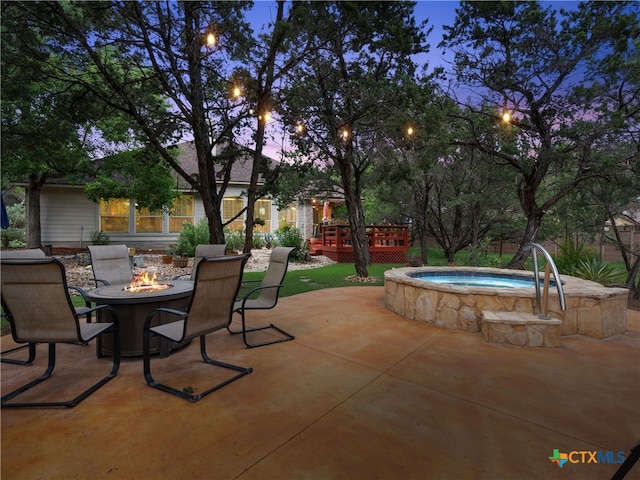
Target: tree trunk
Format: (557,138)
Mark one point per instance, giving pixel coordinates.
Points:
(619,242)
(33,230)
(420,200)
(359,240)
(211,198)
(266,78)
(252,193)
(631,278)
(520,257)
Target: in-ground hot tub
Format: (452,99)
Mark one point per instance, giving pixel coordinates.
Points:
(592,309)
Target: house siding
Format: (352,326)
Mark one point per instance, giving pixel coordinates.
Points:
(67,216)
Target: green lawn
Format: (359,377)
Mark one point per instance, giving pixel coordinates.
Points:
(300,281)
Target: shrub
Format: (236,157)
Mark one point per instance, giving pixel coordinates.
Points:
(99,238)
(257,241)
(234,240)
(479,256)
(14,236)
(192,236)
(268,240)
(571,254)
(288,236)
(597,271)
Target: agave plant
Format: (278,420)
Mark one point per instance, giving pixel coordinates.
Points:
(596,270)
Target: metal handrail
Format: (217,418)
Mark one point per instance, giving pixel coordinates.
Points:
(543,302)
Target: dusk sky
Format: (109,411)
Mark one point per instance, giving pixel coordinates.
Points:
(438,12)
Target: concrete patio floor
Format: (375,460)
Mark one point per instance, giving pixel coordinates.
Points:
(361,393)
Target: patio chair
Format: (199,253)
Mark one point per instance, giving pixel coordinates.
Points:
(26,253)
(36,300)
(210,309)
(111,264)
(267,297)
(202,251)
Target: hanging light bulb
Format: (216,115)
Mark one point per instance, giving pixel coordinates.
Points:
(211,39)
(265,116)
(506,116)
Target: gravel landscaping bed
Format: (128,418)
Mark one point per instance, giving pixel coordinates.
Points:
(82,276)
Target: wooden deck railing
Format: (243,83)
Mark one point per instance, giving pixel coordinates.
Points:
(377,235)
(387,243)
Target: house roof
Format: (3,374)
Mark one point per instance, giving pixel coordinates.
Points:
(240,169)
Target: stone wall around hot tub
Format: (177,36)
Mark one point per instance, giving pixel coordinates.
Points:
(592,310)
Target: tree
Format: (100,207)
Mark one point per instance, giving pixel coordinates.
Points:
(534,62)
(41,116)
(179,69)
(52,126)
(340,93)
(268,62)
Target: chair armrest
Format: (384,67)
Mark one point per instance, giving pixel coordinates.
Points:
(82,292)
(182,275)
(86,310)
(170,311)
(254,290)
(103,282)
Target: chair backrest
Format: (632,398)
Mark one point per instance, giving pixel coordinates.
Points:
(277,269)
(208,251)
(111,264)
(214,292)
(36,300)
(26,253)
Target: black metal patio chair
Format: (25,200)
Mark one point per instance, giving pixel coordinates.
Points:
(36,300)
(216,285)
(264,297)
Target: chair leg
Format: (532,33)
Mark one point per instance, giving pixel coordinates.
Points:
(285,338)
(242,371)
(32,355)
(51,365)
(628,463)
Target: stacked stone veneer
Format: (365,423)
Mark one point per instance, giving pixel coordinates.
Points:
(592,310)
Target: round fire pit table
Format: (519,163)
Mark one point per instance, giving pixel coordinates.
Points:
(133,307)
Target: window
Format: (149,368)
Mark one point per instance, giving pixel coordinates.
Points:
(263,211)
(231,206)
(114,215)
(148,221)
(288,216)
(183,211)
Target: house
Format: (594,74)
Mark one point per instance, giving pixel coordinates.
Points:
(69,218)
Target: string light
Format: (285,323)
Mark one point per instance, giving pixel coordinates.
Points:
(265,116)
(211,39)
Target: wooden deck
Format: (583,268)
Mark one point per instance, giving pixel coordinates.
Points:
(387,243)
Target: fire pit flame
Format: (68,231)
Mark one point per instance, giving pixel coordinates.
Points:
(144,283)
